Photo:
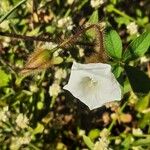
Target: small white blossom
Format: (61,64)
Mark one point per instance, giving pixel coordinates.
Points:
(22,121)
(94,84)
(60,73)
(104,133)
(144,59)
(97,3)
(54,89)
(102,144)
(33,88)
(49,45)
(17,142)
(70,2)
(132,28)
(137,131)
(65,22)
(81,52)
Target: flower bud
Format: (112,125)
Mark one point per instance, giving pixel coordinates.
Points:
(38,60)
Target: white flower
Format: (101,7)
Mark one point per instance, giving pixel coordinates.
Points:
(132,28)
(65,22)
(97,3)
(22,121)
(54,89)
(94,84)
(81,51)
(33,88)
(70,2)
(137,131)
(60,73)
(102,144)
(16,142)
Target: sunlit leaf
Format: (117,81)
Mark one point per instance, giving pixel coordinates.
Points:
(4,78)
(138,47)
(113,43)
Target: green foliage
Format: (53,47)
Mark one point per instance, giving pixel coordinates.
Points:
(35,112)
(113,43)
(138,47)
(5,78)
(88,142)
(139,81)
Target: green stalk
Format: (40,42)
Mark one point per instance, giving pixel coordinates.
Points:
(123,14)
(114,121)
(11,11)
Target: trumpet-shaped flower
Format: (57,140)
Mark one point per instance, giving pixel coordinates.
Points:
(94,84)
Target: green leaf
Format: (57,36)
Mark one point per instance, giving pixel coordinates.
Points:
(4,78)
(127,142)
(88,142)
(138,47)
(94,18)
(57,60)
(143,103)
(93,134)
(117,69)
(113,43)
(142,142)
(39,129)
(139,81)
(144,121)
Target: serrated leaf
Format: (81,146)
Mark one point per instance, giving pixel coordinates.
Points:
(139,81)
(94,18)
(138,47)
(113,43)
(88,142)
(4,78)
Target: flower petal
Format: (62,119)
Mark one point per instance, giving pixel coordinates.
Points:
(93,84)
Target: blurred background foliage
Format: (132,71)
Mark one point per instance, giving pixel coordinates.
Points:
(35,112)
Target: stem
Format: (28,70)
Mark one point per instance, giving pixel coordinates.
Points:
(7,65)
(34,38)
(25,37)
(7,95)
(33,146)
(114,121)
(122,14)
(9,12)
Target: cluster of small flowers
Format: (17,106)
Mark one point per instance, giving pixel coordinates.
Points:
(17,123)
(97,3)
(55,88)
(65,22)
(22,121)
(17,142)
(103,143)
(132,28)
